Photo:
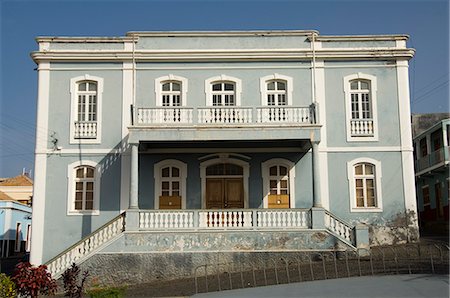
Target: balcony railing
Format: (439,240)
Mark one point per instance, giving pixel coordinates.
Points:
(204,116)
(85,130)
(361,127)
(224,219)
(436,157)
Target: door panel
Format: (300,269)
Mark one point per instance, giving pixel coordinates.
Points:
(214,193)
(222,193)
(234,194)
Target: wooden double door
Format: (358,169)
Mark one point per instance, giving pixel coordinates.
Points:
(224,193)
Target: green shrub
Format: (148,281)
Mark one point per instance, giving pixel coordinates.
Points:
(106,292)
(7,287)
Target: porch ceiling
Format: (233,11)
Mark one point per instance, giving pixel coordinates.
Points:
(269,145)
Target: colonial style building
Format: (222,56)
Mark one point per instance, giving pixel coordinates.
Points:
(432,158)
(169,144)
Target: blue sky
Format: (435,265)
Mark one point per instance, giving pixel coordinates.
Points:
(427,23)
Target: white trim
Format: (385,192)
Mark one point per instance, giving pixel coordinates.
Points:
(409,189)
(17,236)
(224,158)
(74,108)
(373,102)
(208,88)
(28,238)
(265,166)
(171,77)
(127,101)
(183,176)
(351,184)
(71,186)
(263,87)
(40,165)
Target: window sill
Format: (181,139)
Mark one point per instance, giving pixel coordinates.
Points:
(92,212)
(362,209)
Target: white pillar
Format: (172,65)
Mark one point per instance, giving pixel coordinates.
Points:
(317,202)
(134,177)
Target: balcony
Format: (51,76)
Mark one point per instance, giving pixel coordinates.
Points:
(361,127)
(85,130)
(224,116)
(433,160)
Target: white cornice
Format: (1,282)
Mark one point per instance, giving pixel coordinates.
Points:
(80,39)
(224,55)
(386,37)
(221,33)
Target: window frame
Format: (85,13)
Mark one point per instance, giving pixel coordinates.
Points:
(74,82)
(373,105)
(172,78)
(265,168)
(223,79)
(263,81)
(157,168)
(351,176)
(18,238)
(71,176)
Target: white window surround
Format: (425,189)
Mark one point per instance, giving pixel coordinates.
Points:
(352,188)
(208,88)
(157,176)
(225,159)
(18,237)
(265,166)
(263,87)
(71,188)
(171,77)
(373,102)
(73,108)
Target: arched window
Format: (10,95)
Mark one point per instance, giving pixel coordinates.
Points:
(83,190)
(171,91)
(223,94)
(170,184)
(86,109)
(276,93)
(278,183)
(223,90)
(365,185)
(361,107)
(171,94)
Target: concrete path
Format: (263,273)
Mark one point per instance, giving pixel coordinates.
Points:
(418,285)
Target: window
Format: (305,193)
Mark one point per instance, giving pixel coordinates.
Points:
(18,237)
(278,183)
(171,91)
(423,147)
(170,184)
(28,241)
(86,109)
(361,112)
(364,176)
(276,90)
(223,90)
(426,195)
(83,192)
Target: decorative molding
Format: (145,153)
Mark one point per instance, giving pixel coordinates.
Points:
(157,176)
(265,166)
(263,87)
(352,188)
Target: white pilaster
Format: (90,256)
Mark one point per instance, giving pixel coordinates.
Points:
(134,177)
(40,165)
(317,200)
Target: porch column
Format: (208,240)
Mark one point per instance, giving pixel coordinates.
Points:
(317,200)
(134,176)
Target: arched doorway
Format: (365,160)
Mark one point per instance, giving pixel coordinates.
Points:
(224,183)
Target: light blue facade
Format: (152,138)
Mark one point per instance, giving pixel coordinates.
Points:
(311,130)
(13,215)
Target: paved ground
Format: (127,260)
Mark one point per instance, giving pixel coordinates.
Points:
(419,285)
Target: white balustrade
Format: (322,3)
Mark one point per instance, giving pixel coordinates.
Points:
(339,227)
(283,219)
(85,130)
(282,114)
(361,127)
(164,115)
(166,219)
(225,219)
(224,115)
(86,246)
